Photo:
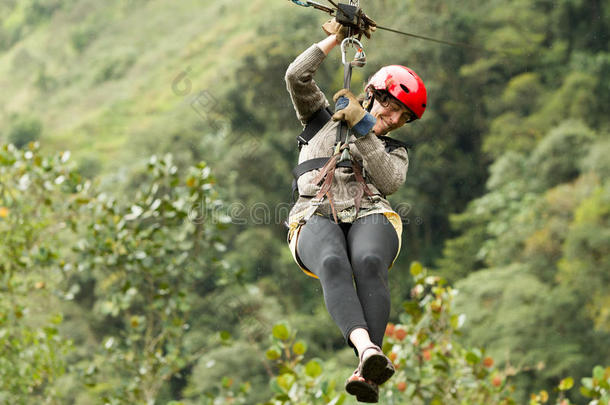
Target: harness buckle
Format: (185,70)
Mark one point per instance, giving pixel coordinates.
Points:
(316,201)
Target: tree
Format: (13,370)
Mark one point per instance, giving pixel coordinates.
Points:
(145,260)
(433,365)
(25,129)
(585,265)
(34,194)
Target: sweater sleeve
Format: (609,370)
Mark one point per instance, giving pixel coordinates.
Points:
(307,98)
(387,171)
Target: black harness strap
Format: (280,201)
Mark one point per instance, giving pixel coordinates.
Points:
(315,124)
(391,144)
(309,165)
(313,164)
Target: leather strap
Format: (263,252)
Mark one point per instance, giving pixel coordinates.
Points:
(363,189)
(326,175)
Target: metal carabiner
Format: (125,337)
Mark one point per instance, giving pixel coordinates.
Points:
(359,57)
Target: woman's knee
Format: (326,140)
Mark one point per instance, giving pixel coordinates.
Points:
(369,264)
(331,261)
(334,269)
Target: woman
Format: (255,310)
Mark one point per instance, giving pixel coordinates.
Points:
(342,230)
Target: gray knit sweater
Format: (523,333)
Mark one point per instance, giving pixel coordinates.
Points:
(384,172)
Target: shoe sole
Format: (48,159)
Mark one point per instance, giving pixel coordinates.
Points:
(377,368)
(363,391)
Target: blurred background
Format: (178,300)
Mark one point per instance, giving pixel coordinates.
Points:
(146,149)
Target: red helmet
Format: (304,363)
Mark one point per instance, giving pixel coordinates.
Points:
(404,84)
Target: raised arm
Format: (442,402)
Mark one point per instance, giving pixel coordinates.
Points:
(328,43)
(307,98)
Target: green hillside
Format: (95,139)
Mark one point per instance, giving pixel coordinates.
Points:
(100,76)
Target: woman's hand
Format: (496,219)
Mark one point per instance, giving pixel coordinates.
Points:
(348,109)
(332,27)
(340,31)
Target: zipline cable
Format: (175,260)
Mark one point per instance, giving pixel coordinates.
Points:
(334,4)
(333,12)
(440,41)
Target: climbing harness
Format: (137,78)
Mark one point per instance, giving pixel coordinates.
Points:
(351,16)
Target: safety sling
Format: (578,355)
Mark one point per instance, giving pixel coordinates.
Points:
(329,164)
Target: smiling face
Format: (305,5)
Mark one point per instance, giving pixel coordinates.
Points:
(390,114)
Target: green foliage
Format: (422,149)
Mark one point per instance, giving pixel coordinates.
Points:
(19,18)
(147,258)
(44,82)
(461,255)
(575,99)
(597,387)
(432,366)
(522,92)
(556,158)
(25,129)
(298,382)
(83,35)
(33,216)
(595,161)
(115,68)
(141,262)
(510,132)
(221,381)
(525,232)
(586,260)
(505,308)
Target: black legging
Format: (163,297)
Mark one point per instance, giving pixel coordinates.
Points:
(340,254)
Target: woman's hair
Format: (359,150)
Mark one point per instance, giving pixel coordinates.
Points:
(366,99)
